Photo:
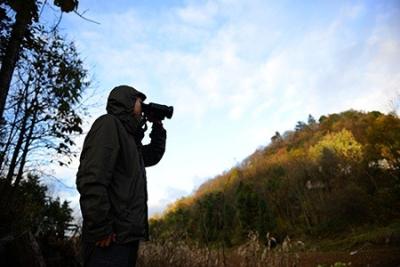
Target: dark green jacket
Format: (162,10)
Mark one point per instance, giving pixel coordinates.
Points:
(111,178)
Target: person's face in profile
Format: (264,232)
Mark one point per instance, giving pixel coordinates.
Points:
(137,108)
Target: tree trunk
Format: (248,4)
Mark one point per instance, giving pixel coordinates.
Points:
(22,20)
(18,146)
(11,134)
(26,148)
(17,149)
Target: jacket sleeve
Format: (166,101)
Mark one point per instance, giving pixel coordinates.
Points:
(97,162)
(153,152)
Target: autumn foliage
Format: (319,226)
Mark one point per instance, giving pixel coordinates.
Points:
(322,179)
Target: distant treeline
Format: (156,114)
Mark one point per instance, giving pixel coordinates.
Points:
(321,179)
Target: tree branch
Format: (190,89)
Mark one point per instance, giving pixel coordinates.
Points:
(90,20)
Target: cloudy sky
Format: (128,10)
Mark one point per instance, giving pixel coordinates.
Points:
(235,71)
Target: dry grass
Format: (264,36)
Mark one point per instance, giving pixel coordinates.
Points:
(170,253)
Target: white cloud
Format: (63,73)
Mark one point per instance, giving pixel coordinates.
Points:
(171,194)
(198,15)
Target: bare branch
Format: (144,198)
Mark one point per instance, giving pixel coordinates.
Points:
(57,180)
(90,20)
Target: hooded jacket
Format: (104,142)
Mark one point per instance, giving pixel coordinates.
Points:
(111,178)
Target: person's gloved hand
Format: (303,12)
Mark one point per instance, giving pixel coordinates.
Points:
(105,242)
(139,133)
(153,119)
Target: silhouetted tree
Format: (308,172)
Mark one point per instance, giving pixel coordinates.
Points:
(277,138)
(44,108)
(311,120)
(26,12)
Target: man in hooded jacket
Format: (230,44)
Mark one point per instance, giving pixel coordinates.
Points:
(112,183)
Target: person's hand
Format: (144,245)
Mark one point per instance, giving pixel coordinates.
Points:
(153,119)
(105,242)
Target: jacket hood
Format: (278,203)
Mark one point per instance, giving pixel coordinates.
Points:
(121,102)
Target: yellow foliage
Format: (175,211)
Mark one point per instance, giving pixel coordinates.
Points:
(180,203)
(341,143)
(297,153)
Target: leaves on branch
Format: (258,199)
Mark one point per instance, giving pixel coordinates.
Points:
(47,92)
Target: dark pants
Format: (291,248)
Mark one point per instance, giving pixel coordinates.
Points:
(121,255)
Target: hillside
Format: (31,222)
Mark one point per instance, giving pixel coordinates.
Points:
(333,181)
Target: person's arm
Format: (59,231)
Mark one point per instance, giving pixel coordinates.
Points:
(97,162)
(153,152)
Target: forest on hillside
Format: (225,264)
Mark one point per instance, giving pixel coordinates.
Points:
(330,178)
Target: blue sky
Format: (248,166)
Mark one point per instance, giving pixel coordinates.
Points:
(235,71)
